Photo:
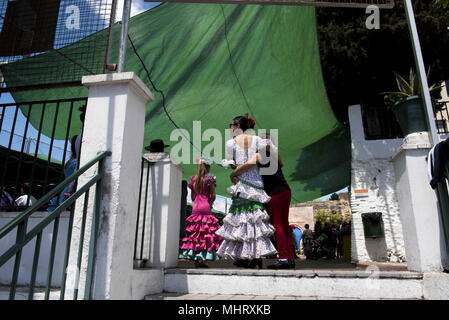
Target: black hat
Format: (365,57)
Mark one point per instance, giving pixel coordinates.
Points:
(156,146)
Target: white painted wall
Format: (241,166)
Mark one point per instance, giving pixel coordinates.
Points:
(422,227)
(26,263)
(372,169)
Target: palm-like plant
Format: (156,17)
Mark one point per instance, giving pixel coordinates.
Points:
(406,88)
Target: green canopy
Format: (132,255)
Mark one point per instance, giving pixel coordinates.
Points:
(214,62)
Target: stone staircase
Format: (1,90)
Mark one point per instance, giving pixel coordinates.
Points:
(325,284)
(321,279)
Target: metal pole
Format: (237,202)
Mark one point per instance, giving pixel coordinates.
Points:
(124,36)
(107,66)
(433,137)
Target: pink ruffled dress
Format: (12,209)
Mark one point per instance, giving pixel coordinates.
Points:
(201,240)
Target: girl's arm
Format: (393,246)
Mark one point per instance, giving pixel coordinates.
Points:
(191,186)
(212,194)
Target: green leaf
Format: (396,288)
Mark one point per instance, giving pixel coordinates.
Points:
(403,85)
(413,83)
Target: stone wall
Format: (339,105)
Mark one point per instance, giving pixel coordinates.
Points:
(302,213)
(373,189)
(300,216)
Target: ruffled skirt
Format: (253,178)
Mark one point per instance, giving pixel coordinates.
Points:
(246,231)
(248,191)
(201,240)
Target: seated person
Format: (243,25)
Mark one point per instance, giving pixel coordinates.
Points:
(6,202)
(26,199)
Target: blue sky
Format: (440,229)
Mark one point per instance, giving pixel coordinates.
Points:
(138,6)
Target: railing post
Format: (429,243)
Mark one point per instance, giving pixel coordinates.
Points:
(115,120)
(21,231)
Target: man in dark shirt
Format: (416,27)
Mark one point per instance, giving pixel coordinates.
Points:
(277,188)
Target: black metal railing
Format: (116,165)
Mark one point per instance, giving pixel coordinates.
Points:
(23,237)
(27,155)
(441,117)
(380,122)
(141,241)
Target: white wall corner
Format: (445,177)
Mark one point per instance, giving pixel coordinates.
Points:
(356,122)
(116,78)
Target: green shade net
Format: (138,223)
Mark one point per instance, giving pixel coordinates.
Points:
(214,62)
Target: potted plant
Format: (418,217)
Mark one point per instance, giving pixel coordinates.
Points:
(407,104)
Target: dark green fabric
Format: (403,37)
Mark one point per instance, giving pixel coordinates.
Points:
(250,184)
(274,67)
(195,255)
(239,206)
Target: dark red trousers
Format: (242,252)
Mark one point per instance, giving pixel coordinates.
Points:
(277,209)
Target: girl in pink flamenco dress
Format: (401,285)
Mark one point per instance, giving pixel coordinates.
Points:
(201,242)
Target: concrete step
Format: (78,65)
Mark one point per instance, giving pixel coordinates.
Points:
(233,297)
(325,284)
(22,293)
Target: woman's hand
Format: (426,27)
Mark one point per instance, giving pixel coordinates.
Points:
(234,178)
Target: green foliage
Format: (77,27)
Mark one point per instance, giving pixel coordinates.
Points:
(444,3)
(327,215)
(406,88)
(357,63)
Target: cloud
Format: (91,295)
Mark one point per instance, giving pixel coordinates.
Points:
(137,6)
(103,8)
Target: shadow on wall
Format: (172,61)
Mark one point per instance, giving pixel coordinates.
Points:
(383,185)
(376,249)
(156,256)
(396,235)
(325,165)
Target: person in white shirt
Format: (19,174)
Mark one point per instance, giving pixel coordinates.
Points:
(25,200)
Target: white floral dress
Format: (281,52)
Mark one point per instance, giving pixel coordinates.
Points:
(246,229)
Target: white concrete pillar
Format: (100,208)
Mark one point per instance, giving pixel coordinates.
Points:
(162,180)
(425,248)
(115,120)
